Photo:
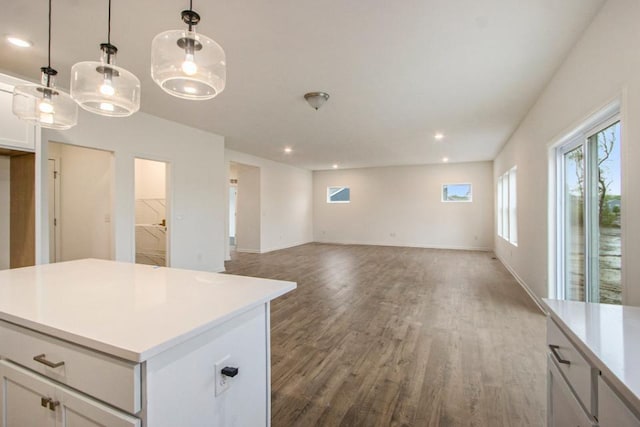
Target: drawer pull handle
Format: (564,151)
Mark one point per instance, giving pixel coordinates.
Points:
(554,350)
(44,401)
(42,359)
(53,405)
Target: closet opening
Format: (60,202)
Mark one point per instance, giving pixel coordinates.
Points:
(151,215)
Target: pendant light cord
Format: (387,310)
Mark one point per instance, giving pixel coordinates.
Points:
(109,27)
(49,48)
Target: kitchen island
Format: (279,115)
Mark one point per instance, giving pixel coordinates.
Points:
(95,342)
(594,364)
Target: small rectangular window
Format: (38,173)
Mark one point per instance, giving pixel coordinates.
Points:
(338,195)
(456,193)
(500,204)
(513,213)
(506,206)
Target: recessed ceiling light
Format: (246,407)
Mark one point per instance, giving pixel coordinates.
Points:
(438,136)
(16,41)
(335,166)
(287,150)
(445,159)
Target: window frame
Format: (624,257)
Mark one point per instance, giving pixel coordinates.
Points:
(470,200)
(342,187)
(580,138)
(506,205)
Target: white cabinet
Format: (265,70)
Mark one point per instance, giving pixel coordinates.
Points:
(28,399)
(563,407)
(178,387)
(14,133)
(612,411)
(578,391)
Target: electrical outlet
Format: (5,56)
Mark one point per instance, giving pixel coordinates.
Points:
(222,381)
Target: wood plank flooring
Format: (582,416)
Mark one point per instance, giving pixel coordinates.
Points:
(387,336)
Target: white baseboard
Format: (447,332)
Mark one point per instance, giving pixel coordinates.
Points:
(287,246)
(524,285)
(409,245)
(248,251)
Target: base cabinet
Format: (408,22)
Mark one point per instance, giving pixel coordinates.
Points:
(563,408)
(612,412)
(47,382)
(30,400)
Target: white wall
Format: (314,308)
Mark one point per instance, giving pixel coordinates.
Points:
(603,66)
(248,208)
(196,173)
(5,225)
(86,176)
(150,179)
(401,206)
(285,202)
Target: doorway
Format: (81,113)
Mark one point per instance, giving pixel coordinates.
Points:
(80,187)
(246,227)
(233,196)
(17,208)
(151,212)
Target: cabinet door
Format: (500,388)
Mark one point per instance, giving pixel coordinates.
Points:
(612,412)
(21,395)
(77,410)
(14,133)
(563,407)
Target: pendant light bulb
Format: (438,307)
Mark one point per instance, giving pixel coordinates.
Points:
(43,104)
(107,88)
(189,66)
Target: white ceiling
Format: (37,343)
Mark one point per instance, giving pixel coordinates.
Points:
(397,71)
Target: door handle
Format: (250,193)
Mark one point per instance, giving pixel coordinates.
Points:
(41,358)
(554,349)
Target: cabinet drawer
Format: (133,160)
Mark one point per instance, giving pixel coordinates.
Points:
(111,380)
(580,375)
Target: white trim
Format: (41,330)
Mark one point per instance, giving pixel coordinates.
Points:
(398,245)
(523,284)
(248,251)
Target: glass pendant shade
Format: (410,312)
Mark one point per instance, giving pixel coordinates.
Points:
(104,88)
(188,65)
(45,105)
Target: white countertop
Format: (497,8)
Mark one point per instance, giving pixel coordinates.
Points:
(609,335)
(128,310)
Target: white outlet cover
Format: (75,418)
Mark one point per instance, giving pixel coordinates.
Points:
(222,381)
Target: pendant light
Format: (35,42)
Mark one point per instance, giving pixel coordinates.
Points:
(186,64)
(44,104)
(104,88)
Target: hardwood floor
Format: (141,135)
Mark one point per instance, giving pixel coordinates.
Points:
(387,336)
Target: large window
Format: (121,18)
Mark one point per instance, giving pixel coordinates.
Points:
(588,219)
(507,207)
